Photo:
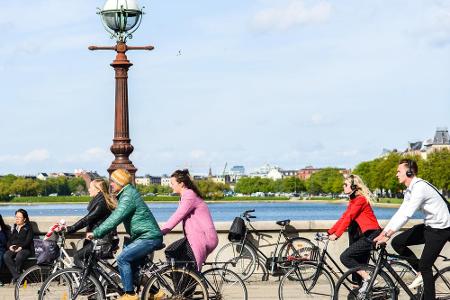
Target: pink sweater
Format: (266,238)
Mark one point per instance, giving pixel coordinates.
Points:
(198,225)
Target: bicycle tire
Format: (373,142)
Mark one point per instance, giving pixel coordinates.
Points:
(442,283)
(29,283)
(309,282)
(240,262)
(347,288)
(225,284)
(406,273)
(174,283)
(303,251)
(64,283)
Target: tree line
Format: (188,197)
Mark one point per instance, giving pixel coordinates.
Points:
(12,186)
(326,181)
(379,174)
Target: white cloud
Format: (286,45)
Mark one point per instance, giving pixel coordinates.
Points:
(197,154)
(94,154)
(316,119)
(295,13)
(32,156)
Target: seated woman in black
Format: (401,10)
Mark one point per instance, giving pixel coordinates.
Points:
(99,209)
(20,244)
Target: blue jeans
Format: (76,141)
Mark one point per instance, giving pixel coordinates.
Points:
(131,258)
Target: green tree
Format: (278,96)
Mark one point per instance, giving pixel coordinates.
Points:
(211,189)
(436,169)
(327,180)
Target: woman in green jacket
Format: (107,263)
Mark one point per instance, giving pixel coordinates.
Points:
(139,223)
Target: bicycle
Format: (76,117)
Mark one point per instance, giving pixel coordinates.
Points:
(381,285)
(30,282)
(243,258)
(315,277)
(77,283)
(223,283)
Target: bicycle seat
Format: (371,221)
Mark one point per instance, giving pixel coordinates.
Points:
(283,222)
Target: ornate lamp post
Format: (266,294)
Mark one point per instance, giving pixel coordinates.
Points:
(121,18)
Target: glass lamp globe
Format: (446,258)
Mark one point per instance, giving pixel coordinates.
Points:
(121,17)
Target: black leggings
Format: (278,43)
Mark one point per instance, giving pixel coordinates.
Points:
(359,252)
(434,240)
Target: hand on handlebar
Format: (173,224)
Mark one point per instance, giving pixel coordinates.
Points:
(90,235)
(333,237)
(383,237)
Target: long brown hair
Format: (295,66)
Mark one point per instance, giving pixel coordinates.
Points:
(184,177)
(101,185)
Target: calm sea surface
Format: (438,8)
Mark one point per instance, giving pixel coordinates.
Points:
(265,211)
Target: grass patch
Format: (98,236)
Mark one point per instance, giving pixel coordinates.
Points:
(72,199)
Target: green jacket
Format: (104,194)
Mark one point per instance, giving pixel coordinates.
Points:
(137,218)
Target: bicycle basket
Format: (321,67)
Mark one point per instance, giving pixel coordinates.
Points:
(237,230)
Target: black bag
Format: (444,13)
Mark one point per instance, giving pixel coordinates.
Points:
(237,230)
(46,251)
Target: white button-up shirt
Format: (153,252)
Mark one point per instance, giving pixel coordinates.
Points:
(420,195)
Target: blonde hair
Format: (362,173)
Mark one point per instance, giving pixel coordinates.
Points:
(102,186)
(361,187)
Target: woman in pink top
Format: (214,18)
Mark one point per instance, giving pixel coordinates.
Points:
(198,225)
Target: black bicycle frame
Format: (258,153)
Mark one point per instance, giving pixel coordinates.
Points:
(382,261)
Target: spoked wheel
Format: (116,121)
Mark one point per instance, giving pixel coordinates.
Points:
(407,274)
(350,286)
(240,257)
(296,250)
(30,282)
(308,282)
(67,284)
(442,283)
(175,283)
(224,284)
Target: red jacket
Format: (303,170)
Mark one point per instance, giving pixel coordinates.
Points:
(359,210)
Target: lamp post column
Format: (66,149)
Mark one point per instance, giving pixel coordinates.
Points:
(121,147)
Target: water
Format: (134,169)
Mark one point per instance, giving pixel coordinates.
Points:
(265,211)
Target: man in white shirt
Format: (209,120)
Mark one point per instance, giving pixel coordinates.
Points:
(434,233)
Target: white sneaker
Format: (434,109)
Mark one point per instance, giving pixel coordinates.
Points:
(365,285)
(416,283)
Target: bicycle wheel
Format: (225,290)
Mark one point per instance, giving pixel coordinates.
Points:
(224,284)
(442,283)
(294,250)
(297,248)
(406,273)
(348,288)
(310,282)
(175,283)
(240,258)
(30,282)
(66,283)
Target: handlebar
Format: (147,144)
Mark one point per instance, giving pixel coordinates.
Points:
(246,214)
(321,236)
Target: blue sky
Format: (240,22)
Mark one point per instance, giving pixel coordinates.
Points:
(285,82)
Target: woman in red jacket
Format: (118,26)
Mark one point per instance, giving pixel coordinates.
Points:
(359,214)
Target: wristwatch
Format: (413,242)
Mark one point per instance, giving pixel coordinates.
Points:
(386,235)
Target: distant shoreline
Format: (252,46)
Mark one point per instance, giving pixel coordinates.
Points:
(270,200)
